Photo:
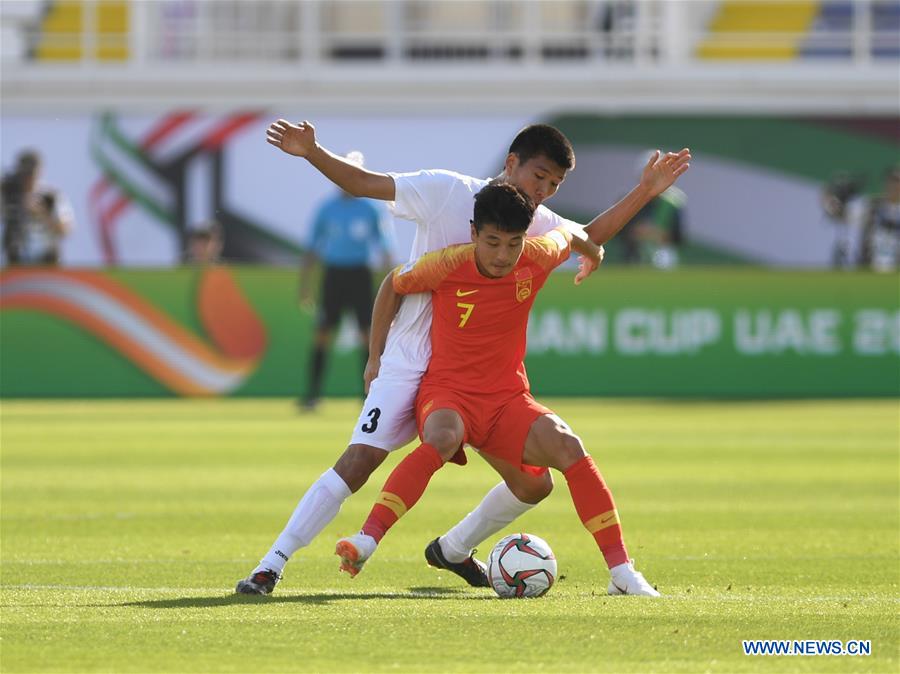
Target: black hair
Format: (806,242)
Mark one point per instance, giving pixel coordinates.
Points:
(503,205)
(546,140)
(27,163)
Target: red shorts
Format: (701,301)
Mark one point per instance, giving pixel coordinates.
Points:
(498,430)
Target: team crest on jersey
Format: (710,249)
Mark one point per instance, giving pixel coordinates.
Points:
(523,284)
(523,290)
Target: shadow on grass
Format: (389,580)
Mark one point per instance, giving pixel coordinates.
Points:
(315,598)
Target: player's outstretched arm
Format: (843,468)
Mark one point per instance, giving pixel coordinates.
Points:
(300,140)
(658,175)
(387,304)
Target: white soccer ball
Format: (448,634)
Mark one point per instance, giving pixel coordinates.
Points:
(521,565)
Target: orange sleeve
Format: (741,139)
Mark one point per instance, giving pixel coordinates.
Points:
(551,249)
(428,271)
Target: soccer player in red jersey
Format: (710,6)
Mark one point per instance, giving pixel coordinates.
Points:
(476,391)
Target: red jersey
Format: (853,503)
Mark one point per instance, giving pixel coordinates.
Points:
(479,324)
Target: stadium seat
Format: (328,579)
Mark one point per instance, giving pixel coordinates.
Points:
(448,30)
(831,35)
(62,30)
(749,30)
(886,23)
(357,29)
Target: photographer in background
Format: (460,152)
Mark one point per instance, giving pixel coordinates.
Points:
(204,244)
(881,227)
(35,218)
(845,206)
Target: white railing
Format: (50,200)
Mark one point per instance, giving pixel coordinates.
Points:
(614,55)
(398,33)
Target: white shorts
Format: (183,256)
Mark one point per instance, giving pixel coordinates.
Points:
(388,417)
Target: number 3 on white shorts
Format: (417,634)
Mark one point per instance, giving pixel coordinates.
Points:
(373,414)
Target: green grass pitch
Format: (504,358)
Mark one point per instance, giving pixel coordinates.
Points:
(126,524)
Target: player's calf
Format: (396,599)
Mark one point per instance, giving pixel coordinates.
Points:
(357,463)
(404,487)
(530,488)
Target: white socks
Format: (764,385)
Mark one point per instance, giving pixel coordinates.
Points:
(322,502)
(495,511)
(319,505)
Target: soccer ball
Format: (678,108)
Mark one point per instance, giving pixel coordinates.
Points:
(521,565)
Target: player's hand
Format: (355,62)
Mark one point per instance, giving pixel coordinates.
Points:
(587,266)
(371,371)
(664,169)
(296,139)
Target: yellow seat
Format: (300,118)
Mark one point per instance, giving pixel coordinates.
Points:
(755,30)
(62,31)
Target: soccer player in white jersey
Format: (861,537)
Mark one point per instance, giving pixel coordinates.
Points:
(441,204)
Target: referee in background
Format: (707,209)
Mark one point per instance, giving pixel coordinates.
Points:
(345,236)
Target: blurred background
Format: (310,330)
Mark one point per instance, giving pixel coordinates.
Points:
(153,241)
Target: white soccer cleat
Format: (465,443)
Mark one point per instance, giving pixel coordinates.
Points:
(625,580)
(354,551)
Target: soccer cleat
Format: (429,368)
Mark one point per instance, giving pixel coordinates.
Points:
(625,580)
(470,569)
(354,551)
(258,582)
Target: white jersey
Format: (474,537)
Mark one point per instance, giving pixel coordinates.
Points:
(441,203)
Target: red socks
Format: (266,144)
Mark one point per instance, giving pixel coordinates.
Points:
(404,487)
(594,505)
(592,498)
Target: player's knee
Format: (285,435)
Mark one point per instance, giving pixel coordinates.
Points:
(445,440)
(534,489)
(357,463)
(569,450)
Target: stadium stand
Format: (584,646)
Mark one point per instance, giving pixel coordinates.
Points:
(410,31)
(436,53)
